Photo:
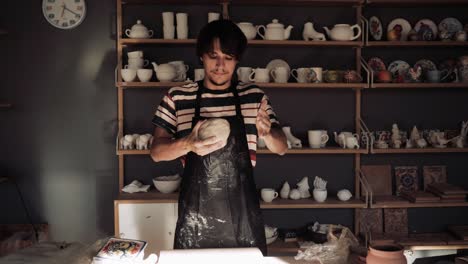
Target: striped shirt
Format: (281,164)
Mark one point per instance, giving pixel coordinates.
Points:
(177,108)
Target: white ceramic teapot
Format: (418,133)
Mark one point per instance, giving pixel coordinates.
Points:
(275,31)
(249,30)
(343,32)
(164,72)
(138,31)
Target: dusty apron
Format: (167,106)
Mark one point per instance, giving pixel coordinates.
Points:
(218,201)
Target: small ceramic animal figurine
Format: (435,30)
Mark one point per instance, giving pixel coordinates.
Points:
(295,142)
(128,141)
(414,74)
(295,194)
(143,141)
(421,143)
(309,33)
(344,195)
(284,193)
(303,187)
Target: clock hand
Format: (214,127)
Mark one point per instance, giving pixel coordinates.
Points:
(63,10)
(66,8)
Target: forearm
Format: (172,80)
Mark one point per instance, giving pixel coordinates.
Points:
(276,141)
(165,148)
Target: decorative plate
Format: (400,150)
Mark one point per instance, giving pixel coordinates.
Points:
(278,63)
(452,25)
(398,67)
(426,23)
(426,65)
(375,27)
(401,25)
(376,64)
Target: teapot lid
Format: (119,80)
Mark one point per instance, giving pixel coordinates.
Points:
(275,24)
(139,26)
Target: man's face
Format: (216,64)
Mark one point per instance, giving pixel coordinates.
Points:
(219,66)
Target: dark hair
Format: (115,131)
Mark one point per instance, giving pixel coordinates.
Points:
(231,39)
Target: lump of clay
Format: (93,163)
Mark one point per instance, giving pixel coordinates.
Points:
(295,194)
(218,127)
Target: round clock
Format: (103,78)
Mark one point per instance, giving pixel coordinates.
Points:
(64,14)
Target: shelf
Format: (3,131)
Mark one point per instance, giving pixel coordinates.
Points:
(382,204)
(328,150)
(418,85)
(261,85)
(152,196)
(331,202)
(425,241)
(421,3)
(255,42)
(419,150)
(251,2)
(149,84)
(416,43)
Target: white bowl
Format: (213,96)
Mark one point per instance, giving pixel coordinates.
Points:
(128,74)
(167,184)
(144,75)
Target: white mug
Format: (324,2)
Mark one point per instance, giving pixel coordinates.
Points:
(212,16)
(243,74)
(135,54)
(316,74)
(261,75)
(168,18)
(268,194)
(302,75)
(324,143)
(280,74)
(317,138)
(199,74)
(169,32)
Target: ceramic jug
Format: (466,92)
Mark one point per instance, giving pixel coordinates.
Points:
(343,32)
(275,31)
(249,30)
(386,254)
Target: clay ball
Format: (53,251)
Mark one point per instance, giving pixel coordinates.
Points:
(218,127)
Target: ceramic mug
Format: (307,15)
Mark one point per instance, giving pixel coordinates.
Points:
(324,143)
(261,75)
(316,74)
(243,74)
(212,16)
(302,75)
(317,138)
(268,194)
(199,74)
(332,76)
(280,74)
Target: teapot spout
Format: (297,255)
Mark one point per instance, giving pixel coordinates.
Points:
(287,32)
(155,66)
(327,30)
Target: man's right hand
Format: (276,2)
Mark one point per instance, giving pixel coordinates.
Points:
(203,147)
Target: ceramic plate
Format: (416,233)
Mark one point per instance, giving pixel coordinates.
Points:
(452,25)
(426,23)
(426,65)
(398,67)
(376,64)
(404,24)
(278,63)
(375,28)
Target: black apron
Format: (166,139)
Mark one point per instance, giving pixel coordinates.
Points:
(218,201)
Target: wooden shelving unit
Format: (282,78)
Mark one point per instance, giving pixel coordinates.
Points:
(414,2)
(418,85)
(248,2)
(417,44)
(383,204)
(329,150)
(331,202)
(419,150)
(126,85)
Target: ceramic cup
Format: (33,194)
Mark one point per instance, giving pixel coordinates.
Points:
(268,194)
(199,74)
(320,195)
(433,76)
(181,70)
(128,75)
(260,75)
(135,54)
(182,32)
(169,32)
(243,74)
(212,16)
(332,76)
(182,19)
(317,138)
(316,74)
(144,75)
(168,18)
(302,75)
(137,63)
(324,143)
(280,74)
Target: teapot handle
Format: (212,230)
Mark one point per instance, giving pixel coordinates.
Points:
(258,31)
(273,74)
(150,33)
(359,31)
(127,32)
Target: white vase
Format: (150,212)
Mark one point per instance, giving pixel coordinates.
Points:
(284,193)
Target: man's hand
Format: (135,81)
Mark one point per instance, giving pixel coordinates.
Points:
(263,120)
(203,147)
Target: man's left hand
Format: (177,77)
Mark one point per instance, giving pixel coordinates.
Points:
(263,120)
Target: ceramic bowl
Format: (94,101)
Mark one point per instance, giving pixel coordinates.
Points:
(320,195)
(128,75)
(167,184)
(144,75)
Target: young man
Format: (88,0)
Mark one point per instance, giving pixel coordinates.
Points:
(218,201)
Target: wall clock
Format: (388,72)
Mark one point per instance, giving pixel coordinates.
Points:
(64,14)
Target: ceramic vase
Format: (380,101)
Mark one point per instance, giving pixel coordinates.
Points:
(386,254)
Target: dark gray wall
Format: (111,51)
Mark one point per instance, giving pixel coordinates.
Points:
(58,140)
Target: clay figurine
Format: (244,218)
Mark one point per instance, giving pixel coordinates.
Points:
(295,194)
(303,187)
(284,193)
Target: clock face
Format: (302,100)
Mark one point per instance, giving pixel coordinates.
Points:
(64,14)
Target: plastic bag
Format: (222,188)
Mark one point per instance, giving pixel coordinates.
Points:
(334,251)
